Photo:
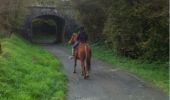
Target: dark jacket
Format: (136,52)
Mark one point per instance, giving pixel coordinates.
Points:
(82,36)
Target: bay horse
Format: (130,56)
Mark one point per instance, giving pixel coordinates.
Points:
(82,53)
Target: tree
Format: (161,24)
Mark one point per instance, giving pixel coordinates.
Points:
(92,16)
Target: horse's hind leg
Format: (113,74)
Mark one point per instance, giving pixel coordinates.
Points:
(75,64)
(82,68)
(87,74)
(86,71)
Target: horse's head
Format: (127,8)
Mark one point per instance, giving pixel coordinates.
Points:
(73,38)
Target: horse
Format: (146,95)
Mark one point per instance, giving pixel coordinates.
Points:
(82,53)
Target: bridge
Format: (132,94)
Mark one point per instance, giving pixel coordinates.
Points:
(64,23)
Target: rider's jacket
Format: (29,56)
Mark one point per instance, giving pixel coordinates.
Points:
(82,36)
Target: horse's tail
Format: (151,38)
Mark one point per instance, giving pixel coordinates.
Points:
(88,57)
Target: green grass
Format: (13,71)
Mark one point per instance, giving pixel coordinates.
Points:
(156,73)
(29,72)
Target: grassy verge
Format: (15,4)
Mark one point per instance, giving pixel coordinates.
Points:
(28,72)
(156,73)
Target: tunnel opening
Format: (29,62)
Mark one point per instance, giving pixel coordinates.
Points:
(44,30)
(47,29)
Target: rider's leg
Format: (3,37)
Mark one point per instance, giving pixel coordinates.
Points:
(72,53)
(73,49)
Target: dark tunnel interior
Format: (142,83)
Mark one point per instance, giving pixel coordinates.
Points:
(48,29)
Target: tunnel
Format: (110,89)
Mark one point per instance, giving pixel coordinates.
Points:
(47,29)
(47,25)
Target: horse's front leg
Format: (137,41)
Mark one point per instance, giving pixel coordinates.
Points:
(75,64)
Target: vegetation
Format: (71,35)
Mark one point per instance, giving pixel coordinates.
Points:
(134,28)
(156,73)
(0,49)
(29,72)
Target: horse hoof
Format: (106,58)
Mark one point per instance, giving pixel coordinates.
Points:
(74,72)
(86,77)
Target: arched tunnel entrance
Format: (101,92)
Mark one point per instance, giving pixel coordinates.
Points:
(47,25)
(47,29)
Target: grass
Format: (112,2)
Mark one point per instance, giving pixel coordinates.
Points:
(29,72)
(156,73)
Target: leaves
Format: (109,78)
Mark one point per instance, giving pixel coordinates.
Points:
(136,26)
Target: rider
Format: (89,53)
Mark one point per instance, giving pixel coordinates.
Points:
(82,37)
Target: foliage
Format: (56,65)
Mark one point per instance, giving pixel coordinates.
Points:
(0,48)
(12,15)
(91,15)
(29,72)
(135,28)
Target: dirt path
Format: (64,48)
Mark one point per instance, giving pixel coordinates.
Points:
(105,83)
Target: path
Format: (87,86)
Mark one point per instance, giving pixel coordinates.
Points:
(105,83)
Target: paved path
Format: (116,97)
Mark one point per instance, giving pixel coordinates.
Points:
(105,82)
